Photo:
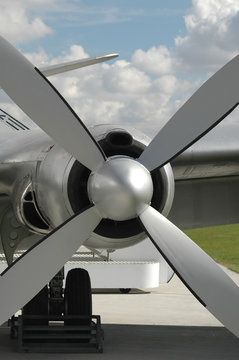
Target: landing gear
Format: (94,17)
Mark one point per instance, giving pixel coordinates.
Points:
(37,306)
(56,321)
(56,300)
(78,299)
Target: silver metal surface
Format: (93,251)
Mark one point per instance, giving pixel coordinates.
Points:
(215,155)
(72,65)
(168,189)
(28,198)
(206,107)
(18,285)
(120,188)
(199,272)
(50,185)
(205,202)
(100,132)
(33,158)
(165,193)
(12,233)
(40,101)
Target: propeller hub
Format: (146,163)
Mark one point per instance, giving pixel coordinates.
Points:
(120,188)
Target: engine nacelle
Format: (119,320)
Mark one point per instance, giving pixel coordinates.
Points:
(51,186)
(59,188)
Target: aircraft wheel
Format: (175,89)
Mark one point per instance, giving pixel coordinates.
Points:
(125,290)
(78,299)
(13,332)
(37,306)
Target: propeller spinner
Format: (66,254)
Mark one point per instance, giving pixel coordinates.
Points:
(119,187)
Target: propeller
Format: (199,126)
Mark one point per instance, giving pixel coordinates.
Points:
(17,283)
(119,187)
(203,277)
(38,98)
(209,105)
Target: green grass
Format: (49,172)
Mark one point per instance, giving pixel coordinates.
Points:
(219,242)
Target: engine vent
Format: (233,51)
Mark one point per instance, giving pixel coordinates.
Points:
(30,214)
(119,138)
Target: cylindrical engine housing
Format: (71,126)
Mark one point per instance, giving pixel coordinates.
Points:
(60,187)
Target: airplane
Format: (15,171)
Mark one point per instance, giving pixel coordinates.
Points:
(110,187)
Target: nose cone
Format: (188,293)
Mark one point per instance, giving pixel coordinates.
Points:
(120,188)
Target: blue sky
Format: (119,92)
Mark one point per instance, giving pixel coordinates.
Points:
(121,26)
(167,50)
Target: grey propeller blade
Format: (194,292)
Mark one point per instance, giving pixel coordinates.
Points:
(31,272)
(214,100)
(37,97)
(204,278)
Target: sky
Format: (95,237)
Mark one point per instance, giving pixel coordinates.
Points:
(167,50)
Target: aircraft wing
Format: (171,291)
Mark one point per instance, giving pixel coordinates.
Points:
(207,181)
(72,65)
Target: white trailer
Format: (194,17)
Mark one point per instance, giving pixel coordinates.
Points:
(140,266)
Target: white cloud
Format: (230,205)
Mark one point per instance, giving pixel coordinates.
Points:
(118,93)
(147,90)
(157,60)
(76,52)
(124,78)
(16,22)
(166,83)
(38,58)
(211,39)
(121,93)
(41,58)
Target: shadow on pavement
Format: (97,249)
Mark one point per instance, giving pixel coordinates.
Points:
(171,342)
(146,342)
(117,291)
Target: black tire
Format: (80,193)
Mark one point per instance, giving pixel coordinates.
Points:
(125,290)
(77,296)
(37,306)
(14,332)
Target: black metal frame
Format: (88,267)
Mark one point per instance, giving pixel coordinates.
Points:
(57,337)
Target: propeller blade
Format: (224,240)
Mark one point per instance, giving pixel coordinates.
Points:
(21,281)
(204,278)
(210,104)
(37,97)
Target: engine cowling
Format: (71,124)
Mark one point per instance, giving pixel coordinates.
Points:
(60,187)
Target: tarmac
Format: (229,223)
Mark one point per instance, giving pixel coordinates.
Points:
(163,323)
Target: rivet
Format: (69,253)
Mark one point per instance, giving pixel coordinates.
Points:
(13,235)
